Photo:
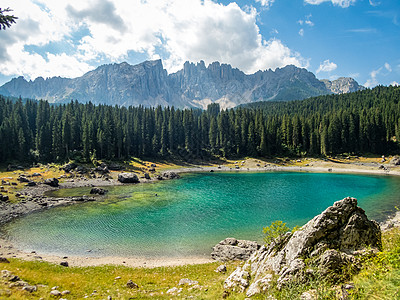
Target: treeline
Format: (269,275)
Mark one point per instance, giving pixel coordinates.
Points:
(361,122)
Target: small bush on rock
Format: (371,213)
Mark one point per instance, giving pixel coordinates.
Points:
(276,229)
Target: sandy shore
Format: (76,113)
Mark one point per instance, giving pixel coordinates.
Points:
(9,251)
(35,199)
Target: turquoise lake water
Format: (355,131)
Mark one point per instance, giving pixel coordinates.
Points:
(190,215)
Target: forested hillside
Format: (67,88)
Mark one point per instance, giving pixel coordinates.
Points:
(361,122)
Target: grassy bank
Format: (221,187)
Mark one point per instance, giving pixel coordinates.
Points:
(379,279)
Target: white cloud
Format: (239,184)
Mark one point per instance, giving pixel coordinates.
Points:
(373,3)
(394,83)
(266,3)
(327,66)
(373,81)
(388,67)
(93,31)
(309,23)
(306,21)
(341,3)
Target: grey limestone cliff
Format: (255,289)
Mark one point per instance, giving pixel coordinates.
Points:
(343,85)
(196,85)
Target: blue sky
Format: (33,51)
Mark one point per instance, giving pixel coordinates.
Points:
(331,38)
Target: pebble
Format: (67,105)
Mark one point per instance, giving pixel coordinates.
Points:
(64,263)
(221,269)
(55,293)
(130,284)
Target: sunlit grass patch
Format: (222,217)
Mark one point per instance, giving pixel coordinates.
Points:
(101,282)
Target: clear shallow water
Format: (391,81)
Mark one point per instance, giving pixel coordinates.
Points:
(190,215)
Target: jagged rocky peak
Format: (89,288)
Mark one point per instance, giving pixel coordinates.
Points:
(342,85)
(196,85)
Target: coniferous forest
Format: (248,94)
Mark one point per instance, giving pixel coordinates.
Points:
(362,122)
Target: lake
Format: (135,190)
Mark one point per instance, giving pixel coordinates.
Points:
(186,217)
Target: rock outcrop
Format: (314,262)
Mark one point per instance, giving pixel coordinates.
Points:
(327,245)
(343,85)
(233,249)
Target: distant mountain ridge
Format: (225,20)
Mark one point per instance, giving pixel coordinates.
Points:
(196,85)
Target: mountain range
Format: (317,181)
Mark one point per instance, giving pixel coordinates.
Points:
(196,85)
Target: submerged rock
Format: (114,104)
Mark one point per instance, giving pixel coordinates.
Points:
(331,242)
(233,249)
(98,191)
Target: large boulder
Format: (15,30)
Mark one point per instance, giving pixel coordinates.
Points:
(3,198)
(330,243)
(233,249)
(52,182)
(22,178)
(170,175)
(128,178)
(69,167)
(102,169)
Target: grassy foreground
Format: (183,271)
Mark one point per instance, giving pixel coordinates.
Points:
(379,279)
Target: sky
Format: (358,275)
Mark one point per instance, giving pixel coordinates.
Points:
(331,38)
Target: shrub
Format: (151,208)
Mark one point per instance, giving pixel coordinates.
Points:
(274,230)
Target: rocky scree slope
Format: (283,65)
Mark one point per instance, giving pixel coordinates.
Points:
(195,85)
(332,242)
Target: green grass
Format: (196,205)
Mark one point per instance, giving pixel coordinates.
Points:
(82,281)
(379,279)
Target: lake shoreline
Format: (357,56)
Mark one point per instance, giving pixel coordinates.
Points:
(9,250)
